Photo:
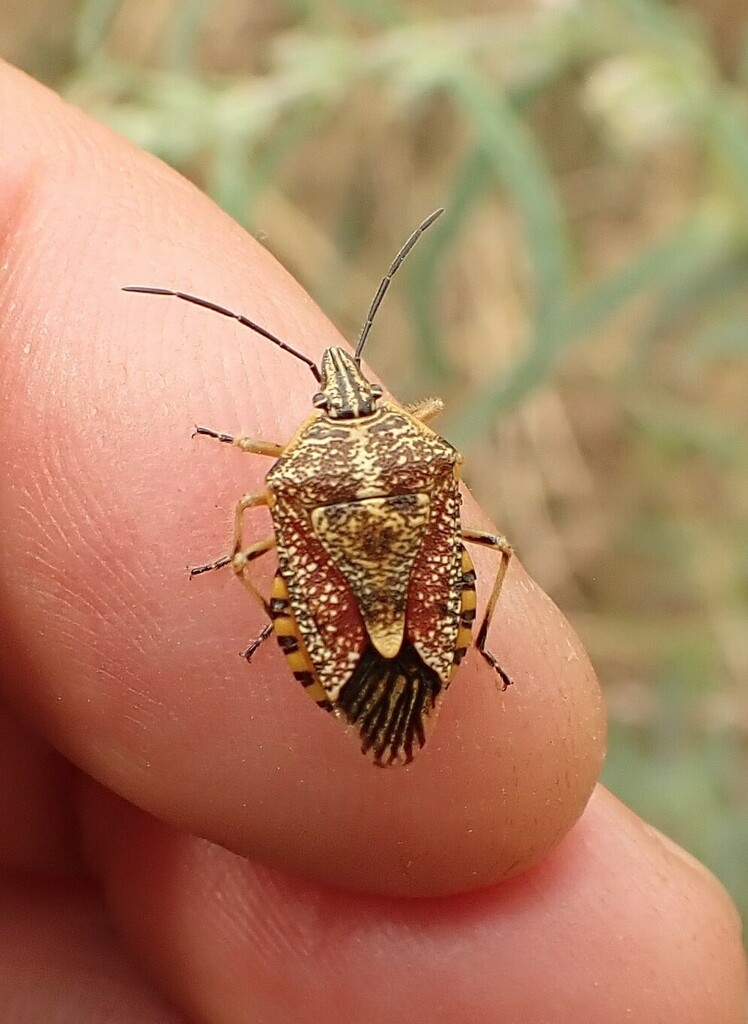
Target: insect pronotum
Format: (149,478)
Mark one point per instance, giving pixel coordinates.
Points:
(373,601)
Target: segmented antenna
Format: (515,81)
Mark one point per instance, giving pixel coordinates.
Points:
(265,333)
(385,282)
(244,320)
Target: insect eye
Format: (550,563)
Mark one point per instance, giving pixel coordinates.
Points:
(319,401)
(376,391)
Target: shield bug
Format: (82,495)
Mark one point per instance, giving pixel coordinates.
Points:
(373,601)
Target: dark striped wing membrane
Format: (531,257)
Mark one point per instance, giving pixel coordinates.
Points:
(388,700)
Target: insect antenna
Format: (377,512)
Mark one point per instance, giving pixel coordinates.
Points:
(385,282)
(244,320)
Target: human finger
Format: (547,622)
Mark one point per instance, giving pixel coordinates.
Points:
(615,925)
(130,669)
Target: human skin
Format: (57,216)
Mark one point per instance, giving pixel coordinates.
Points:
(188,839)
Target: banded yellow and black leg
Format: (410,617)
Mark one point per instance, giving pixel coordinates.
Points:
(501,544)
(290,642)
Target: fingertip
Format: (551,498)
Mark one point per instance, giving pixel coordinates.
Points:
(136,677)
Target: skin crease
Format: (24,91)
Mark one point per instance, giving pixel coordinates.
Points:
(111,656)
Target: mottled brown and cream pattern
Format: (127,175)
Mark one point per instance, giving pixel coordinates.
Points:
(390,483)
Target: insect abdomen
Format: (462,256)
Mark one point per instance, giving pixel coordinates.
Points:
(290,642)
(467,611)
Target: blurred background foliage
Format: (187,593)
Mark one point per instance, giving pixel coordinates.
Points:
(582,306)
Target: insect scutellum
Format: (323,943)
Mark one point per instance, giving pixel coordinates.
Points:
(374,600)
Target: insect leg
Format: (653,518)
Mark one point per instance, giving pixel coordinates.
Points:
(241,560)
(426,410)
(219,563)
(267,630)
(500,543)
(245,502)
(246,444)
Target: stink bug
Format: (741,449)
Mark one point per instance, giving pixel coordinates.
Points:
(374,598)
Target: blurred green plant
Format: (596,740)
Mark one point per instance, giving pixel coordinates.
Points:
(606,142)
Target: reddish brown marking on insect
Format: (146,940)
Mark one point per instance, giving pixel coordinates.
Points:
(434,600)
